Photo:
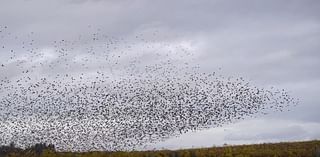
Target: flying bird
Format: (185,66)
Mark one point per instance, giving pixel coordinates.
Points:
(105,98)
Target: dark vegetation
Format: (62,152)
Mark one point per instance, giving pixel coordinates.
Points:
(288,149)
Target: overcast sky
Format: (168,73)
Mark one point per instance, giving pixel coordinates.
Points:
(271,43)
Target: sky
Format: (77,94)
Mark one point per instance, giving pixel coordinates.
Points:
(270,43)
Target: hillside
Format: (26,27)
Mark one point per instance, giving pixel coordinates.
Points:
(285,149)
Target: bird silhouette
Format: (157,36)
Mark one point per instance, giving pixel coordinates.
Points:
(117,94)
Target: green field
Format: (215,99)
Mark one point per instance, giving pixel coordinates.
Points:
(285,149)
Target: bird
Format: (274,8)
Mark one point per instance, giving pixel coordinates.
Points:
(82,101)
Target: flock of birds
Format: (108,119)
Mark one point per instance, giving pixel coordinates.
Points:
(100,92)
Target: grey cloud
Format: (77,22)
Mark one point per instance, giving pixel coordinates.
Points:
(284,133)
(271,43)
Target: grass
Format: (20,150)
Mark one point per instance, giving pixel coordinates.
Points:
(284,149)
